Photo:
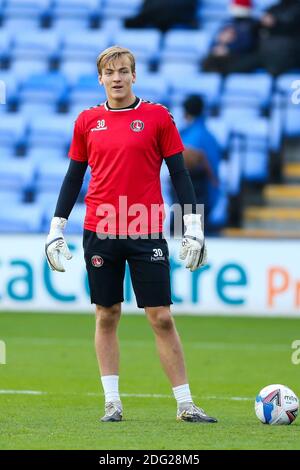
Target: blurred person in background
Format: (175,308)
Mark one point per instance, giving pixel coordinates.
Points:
(236,37)
(279,49)
(202,156)
(164,14)
(274,45)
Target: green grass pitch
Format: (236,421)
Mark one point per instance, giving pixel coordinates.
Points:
(228,359)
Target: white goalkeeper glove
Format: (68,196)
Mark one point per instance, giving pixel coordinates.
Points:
(193,247)
(56,246)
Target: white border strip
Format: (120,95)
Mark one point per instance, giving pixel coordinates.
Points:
(126,395)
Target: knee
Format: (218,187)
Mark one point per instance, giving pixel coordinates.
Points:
(160,319)
(108,317)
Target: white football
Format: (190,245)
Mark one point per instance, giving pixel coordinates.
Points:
(276,404)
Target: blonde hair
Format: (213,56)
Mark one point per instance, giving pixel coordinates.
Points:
(111,54)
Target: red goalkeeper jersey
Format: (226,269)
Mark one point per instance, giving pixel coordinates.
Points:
(125,149)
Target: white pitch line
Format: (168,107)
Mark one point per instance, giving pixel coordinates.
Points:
(240,346)
(135,395)
(229,398)
(126,395)
(22,392)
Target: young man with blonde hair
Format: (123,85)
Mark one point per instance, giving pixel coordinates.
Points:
(124,141)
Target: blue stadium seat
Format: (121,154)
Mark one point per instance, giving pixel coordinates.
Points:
(286,104)
(50,175)
(76,219)
(3,107)
(20,218)
(84,46)
(218,216)
(13,25)
(253,128)
(205,84)
(178,115)
(43,88)
(12,130)
(76,108)
(142,69)
(121,8)
(65,26)
(7,149)
(211,28)
(109,24)
(230,170)
(74,69)
(12,196)
(235,114)
(22,68)
(252,141)
(47,200)
(38,44)
(5,44)
(250,90)
(86,92)
(143,43)
(185,45)
(75,8)
(291,127)
(28,109)
(169,69)
(230,173)
(54,131)
(220,129)
(26,8)
(232,115)
(16,173)
(152,87)
(213,10)
(277,126)
(262,5)
(284,84)
(75,15)
(11,86)
(40,154)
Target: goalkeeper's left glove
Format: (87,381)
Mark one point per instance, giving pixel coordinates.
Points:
(56,245)
(193,247)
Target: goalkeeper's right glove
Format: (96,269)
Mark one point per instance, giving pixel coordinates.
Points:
(56,245)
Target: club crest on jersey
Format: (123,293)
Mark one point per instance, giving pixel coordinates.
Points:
(97,261)
(137,126)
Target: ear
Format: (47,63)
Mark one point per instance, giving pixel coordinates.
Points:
(133,77)
(100,79)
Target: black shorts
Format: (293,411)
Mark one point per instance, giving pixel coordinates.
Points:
(148,261)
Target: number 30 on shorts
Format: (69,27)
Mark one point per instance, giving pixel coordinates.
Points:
(157,252)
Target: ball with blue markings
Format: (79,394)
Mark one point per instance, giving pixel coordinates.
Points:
(276,404)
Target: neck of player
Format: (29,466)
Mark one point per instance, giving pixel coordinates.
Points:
(117,103)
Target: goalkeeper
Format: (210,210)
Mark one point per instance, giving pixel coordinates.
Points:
(124,141)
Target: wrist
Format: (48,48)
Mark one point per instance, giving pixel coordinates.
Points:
(58,224)
(192,219)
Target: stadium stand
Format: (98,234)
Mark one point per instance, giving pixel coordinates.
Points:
(48,51)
